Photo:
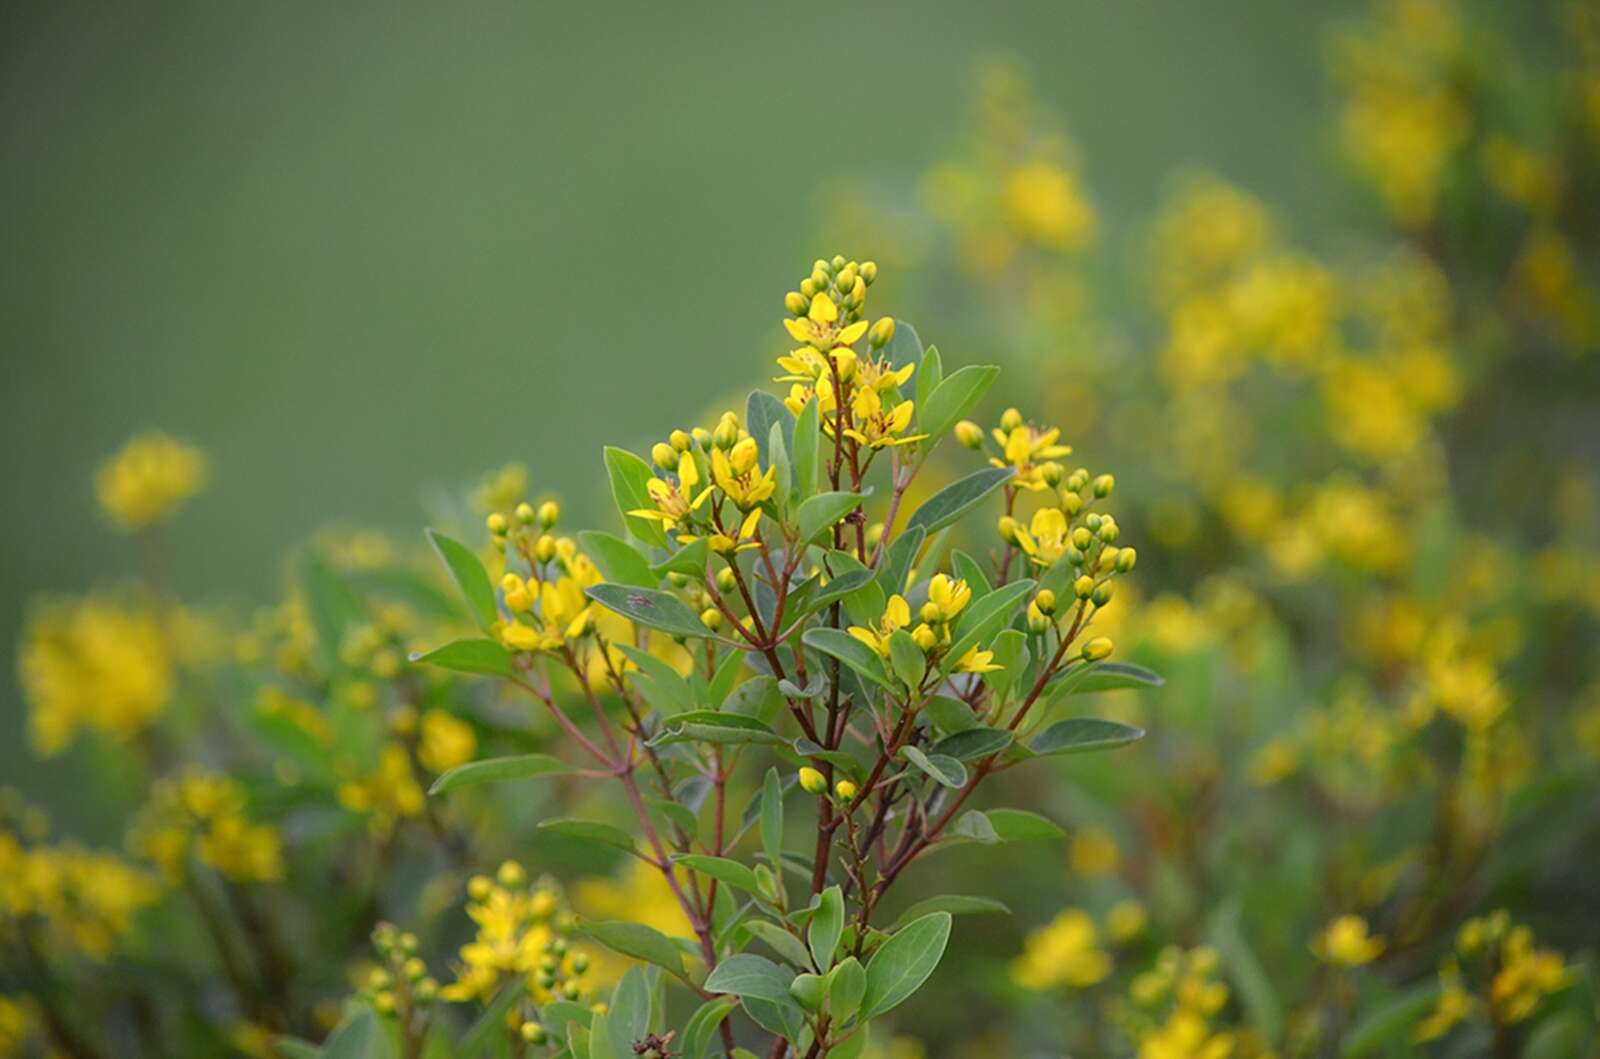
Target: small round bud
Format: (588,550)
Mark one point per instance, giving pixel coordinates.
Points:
(497,524)
(1104,484)
(534,1033)
(796,302)
(819,265)
(711,618)
(414,968)
(1072,555)
(549,512)
(1051,473)
(845,790)
(511,874)
(1083,587)
(664,456)
(544,549)
(819,280)
(882,333)
(570,989)
(479,887)
(812,781)
(969,434)
(426,990)
(379,980)
(726,579)
(525,513)
(545,980)
(1082,539)
(1071,504)
(925,638)
(702,436)
(837,263)
(1038,620)
(1109,531)
(1093,520)
(1126,557)
(726,434)
(1098,648)
(408,943)
(677,579)
(384,1002)
(580,962)
(1101,596)
(931,612)
(1046,601)
(1010,420)
(558,946)
(869,272)
(680,441)
(807,288)
(1007,526)
(846,277)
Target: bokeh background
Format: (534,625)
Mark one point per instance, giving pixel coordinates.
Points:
(357,251)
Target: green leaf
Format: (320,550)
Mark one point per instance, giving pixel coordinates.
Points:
(809,990)
(748,975)
(974,743)
(973,825)
(955,904)
(658,610)
(712,726)
(803,460)
(1011,655)
(782,1018)
(818,513)
(1019,825)
(782,942)
(1079,734)
(930,373)
(985,617)
(845,584)
(772,818)
(851,651)
(956,499)
(905,347)
(488,1026)
(702,1027)
(729,871)
(1390,1023)
(944,769)
(1106,676)
(690,559)
(846,984)
(590,831)
(470,577)
(334,607)
(898,559)
(359,1036)
(954,398)
(658,682)
(904,962)
(1255,987)
(636,940)
(618,560)
(483,657)
(763,411)
(950,715)
(628,1017)
(827,924)
(494,769)
(629,477)
(970,570)
(778,457)
(909,663)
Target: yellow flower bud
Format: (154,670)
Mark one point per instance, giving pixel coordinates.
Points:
(925,638)
(479,887)
(1083,587)
(664,455)
(882,333)
(819,279)
(726,579)
(1051,473)
(812,781)
(1046,601)
(702,435)
(1126,557)
(511,874)
(534,1033)
(869,271)
(384,1002)
(549,512)
(1108,531)
(846,278)
(727,433)
(414,968)
(837,263)
(1008,528)
(845,790)
(743,455)
(544,549)
(1010,420)
(497,524)
(711,618)
(1102,595)
(969,434)
(931,613)
(1104,484)
(1098,648)
(1071,504)
(807,288)
(1082,538)
(1038,621)
(525,513)
(844,363)
(680,441)
(796,302)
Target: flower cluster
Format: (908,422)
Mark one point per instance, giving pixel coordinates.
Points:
(149,479)
(204,815)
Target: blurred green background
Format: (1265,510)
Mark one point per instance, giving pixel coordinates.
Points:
(358,250)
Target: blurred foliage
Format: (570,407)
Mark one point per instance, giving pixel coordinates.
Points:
(1365,819)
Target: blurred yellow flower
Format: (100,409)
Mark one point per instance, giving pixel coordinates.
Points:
(1065,952)
(148,479)
(1345,942)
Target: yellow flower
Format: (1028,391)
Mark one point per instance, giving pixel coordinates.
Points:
(976,661)
(204,814)
(1046,537)
(1525,977)
(387,795)
(673,504)
(1066,952)
(896,616)
(1455,1005)
(1026,448)
(819,328)
(876,427)
(1126,920)
(1345,942)
(93,663)
(947,596)
(738,476)
(446,741)
(149,479)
